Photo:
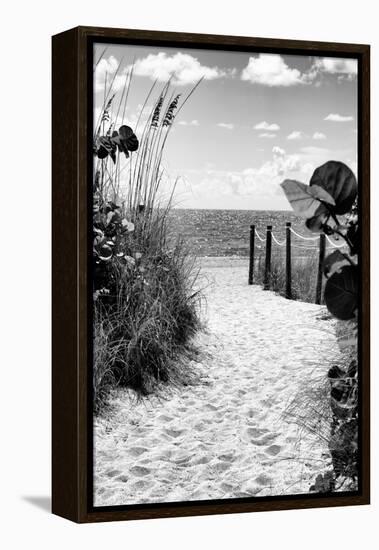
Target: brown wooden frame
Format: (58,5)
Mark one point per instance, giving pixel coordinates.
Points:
(71,457)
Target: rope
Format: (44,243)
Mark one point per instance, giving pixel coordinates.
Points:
(259,237)
(302,237)
(282,243)
(333,244)
(277,242)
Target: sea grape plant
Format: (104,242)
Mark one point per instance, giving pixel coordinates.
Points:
(111,243)
(112,231)
(124,141)
(328,205)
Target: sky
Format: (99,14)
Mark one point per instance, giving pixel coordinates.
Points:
(253,121)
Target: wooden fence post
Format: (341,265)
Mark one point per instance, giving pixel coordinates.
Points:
(251,263)
(288,261)
(321,257)
(267,275)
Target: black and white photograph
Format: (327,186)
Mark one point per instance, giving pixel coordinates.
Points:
(225,275)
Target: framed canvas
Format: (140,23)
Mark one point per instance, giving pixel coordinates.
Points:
(210,274)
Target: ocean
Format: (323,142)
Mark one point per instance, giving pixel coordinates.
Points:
(226,232)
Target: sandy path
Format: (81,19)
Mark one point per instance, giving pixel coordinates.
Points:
(224,437)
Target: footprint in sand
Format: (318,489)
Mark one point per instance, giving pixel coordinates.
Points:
(227,457)
(137,451)
(140,471)
(265,440)
(273,450)
(122,478)
(200,426)
(221,467)
(174,433)
(164,418)
(140,485)
(256,432)
(163,454)
(113,473)
(202,460)
(263,480)
(227,487)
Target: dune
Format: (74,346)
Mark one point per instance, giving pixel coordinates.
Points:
(225,436)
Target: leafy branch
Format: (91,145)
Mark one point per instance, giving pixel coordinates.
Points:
(332,193)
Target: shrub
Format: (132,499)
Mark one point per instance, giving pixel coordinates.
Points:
(145,305)
(303,276)
(329,205)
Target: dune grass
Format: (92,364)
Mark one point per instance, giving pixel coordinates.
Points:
(303,271)
(146,308)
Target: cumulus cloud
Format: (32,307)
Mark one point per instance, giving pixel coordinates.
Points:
(267,127)
(182,67)
(338,66)
(296,134)
(260,184)
(319,136)
(105,74)
(264,181)
(271,70)
(334,117)
(226,125)
(267,135)
(189,123)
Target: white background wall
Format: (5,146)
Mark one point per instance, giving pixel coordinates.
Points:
(25,272)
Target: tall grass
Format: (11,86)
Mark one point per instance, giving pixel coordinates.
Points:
(303,276)
(148,313)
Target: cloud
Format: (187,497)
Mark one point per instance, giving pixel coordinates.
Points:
(296,134)
(278,150)
(189,123)
(334,117)
(264,181)
(339,66)
(271,70)
(258,184)
(105,74)
(319,136)
(312,150)
(267,135)
(266,126)
(226,125)
(182,67)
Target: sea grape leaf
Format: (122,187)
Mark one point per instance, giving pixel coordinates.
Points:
(317,222)
(341,293)
(304,199)
(354,237)
(105,147)
(339,181)
(124,140)
(334,262)
(128,138)
(105,252)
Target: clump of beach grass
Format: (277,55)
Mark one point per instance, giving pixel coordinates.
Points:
(146,304)
(331,422)
(303,276)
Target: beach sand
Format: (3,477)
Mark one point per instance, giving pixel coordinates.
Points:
(224,436)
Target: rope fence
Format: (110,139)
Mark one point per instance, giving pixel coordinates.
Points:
(319,242)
